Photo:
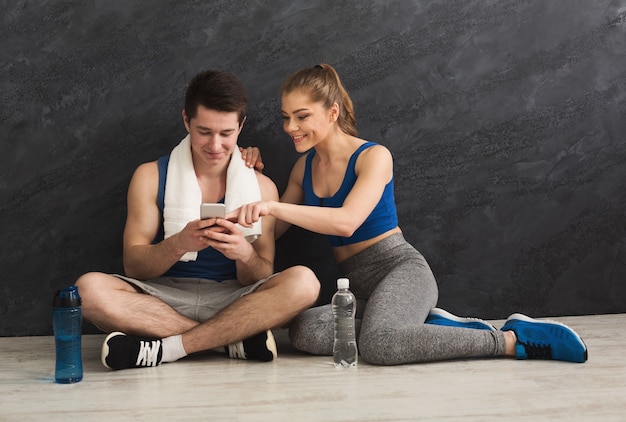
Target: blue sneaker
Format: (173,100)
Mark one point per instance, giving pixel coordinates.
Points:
(545,339)
(438,316)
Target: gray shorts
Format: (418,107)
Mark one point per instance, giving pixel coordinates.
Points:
(196,298)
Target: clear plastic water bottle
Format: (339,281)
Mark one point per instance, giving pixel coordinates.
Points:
(67,320)
(345,352)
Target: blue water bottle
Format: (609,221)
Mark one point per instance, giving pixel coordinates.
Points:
(67,318)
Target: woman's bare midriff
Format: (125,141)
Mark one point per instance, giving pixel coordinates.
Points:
(344,252)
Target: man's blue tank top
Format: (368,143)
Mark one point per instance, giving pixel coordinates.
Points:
(210,263)
(382,219)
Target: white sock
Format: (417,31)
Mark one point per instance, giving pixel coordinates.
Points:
(172,348)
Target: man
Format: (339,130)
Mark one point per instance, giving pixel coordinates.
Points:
(169,304)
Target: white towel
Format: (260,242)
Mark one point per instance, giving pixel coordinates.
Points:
(183,196)
(242,187)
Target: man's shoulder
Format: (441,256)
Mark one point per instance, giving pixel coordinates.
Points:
(149,166)
(263,179)
(147,170)
(267,185)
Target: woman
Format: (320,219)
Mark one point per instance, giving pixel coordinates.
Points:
(343,188)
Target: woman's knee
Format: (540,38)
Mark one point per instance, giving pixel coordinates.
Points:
(312,331)
(381,347)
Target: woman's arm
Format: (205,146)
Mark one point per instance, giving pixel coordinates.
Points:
(374,170)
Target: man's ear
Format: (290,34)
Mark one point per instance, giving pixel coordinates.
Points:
(185,120)
(242,122)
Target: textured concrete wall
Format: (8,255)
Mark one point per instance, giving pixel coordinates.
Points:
(506,120)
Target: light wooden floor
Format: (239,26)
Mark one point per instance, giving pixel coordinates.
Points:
(298,387)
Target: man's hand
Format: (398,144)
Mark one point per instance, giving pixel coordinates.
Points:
(192,238)
(226,237)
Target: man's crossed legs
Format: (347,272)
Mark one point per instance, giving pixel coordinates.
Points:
(146,331)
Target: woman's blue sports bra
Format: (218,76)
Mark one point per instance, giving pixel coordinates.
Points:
(382,219)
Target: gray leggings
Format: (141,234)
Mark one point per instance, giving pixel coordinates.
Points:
(395,290)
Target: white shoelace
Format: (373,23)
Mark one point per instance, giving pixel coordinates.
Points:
(148,353)
(236,350)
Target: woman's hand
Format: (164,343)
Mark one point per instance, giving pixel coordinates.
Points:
(248,214)
(252,157)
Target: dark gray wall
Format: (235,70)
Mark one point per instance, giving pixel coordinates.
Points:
(506,120)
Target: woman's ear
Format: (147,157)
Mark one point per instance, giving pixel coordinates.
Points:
(334,112)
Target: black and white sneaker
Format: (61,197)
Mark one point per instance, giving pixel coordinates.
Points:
(258,347)
(120,351)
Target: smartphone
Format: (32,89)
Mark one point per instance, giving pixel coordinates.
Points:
(212,210)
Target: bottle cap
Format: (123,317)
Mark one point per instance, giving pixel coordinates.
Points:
(343,283)
(66,298)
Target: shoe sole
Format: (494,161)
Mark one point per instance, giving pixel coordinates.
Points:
(527,319)
(241,353)
(461,320)
(105,348)
(270,343)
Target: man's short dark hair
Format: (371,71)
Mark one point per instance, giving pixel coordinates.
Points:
(216,90)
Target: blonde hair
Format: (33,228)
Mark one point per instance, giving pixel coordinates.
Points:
(323,85)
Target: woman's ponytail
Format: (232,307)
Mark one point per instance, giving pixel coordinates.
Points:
(322,83)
